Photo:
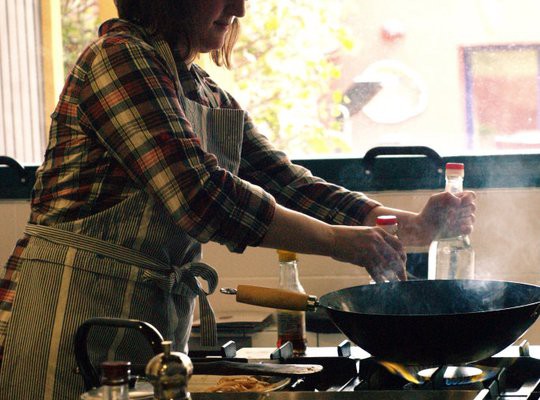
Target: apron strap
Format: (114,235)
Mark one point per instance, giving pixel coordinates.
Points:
(170,280)
(165,51)
(95,245)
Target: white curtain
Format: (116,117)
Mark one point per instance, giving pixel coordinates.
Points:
(21,81)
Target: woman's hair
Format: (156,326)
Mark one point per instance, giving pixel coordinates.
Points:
(174,20)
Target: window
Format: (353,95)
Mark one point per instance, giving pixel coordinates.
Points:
(336,78)
(80,19)
(39,41)
(327,78)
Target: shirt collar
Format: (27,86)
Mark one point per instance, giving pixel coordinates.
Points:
(117,25)
(191,78)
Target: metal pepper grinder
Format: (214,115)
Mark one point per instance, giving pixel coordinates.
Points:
(169,373)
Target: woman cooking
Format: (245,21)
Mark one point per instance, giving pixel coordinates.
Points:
(147,159)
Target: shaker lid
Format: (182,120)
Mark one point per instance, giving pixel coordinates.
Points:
(167,364)
(386,220)
(286,256)
(455,169)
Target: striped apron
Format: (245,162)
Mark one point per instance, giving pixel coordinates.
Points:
(67,277)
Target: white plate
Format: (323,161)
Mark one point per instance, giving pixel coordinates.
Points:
(142,391)
(201,383)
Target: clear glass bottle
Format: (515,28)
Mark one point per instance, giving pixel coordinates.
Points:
(291,325)
(390,224)
(114,380)
(452,257)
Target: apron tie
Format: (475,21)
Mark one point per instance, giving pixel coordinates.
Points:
(181,281)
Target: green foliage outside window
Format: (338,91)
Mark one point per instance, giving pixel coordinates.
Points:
(284,65)
(79,25)
(282,71)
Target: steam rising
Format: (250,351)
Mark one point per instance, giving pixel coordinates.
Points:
(432,297)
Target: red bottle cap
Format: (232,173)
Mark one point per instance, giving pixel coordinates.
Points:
(386,220)
(455,166)
(455,169)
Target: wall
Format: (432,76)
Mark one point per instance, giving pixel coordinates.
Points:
(506,241)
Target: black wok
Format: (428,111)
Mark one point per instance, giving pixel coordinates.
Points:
(423,322)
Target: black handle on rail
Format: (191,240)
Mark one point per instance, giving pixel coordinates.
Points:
(369,158)
(86,369)
(12,163)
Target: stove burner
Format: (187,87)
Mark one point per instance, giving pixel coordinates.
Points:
(440,376)
(381,375)
(453,376)
(452,373)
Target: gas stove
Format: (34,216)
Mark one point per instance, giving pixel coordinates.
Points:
(351,373)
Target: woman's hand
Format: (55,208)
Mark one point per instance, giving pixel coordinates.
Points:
(383,254)
(379,252)
(444,214)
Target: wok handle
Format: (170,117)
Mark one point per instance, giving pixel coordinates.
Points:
(275,298)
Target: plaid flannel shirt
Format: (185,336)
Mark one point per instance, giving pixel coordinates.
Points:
(119,125)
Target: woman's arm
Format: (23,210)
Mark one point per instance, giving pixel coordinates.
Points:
(370,247)
(294,187)
(380,253)
(128,101)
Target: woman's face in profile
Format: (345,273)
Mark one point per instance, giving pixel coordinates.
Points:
(213,19)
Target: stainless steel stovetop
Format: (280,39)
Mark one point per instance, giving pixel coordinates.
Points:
(513,374)
(378,395)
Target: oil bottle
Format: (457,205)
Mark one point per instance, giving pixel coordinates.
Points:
(452,257)
(291,325)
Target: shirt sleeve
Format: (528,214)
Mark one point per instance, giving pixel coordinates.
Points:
(295,187)
(129,100)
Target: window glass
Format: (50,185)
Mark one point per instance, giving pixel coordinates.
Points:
(79,27)
(502,97)
(21,81)
(338,77)
(334,78)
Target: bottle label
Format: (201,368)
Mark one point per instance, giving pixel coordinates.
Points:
(451,259)
(291,323)
(292,328)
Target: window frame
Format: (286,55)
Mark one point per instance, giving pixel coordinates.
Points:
(389,173)
(401,173)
